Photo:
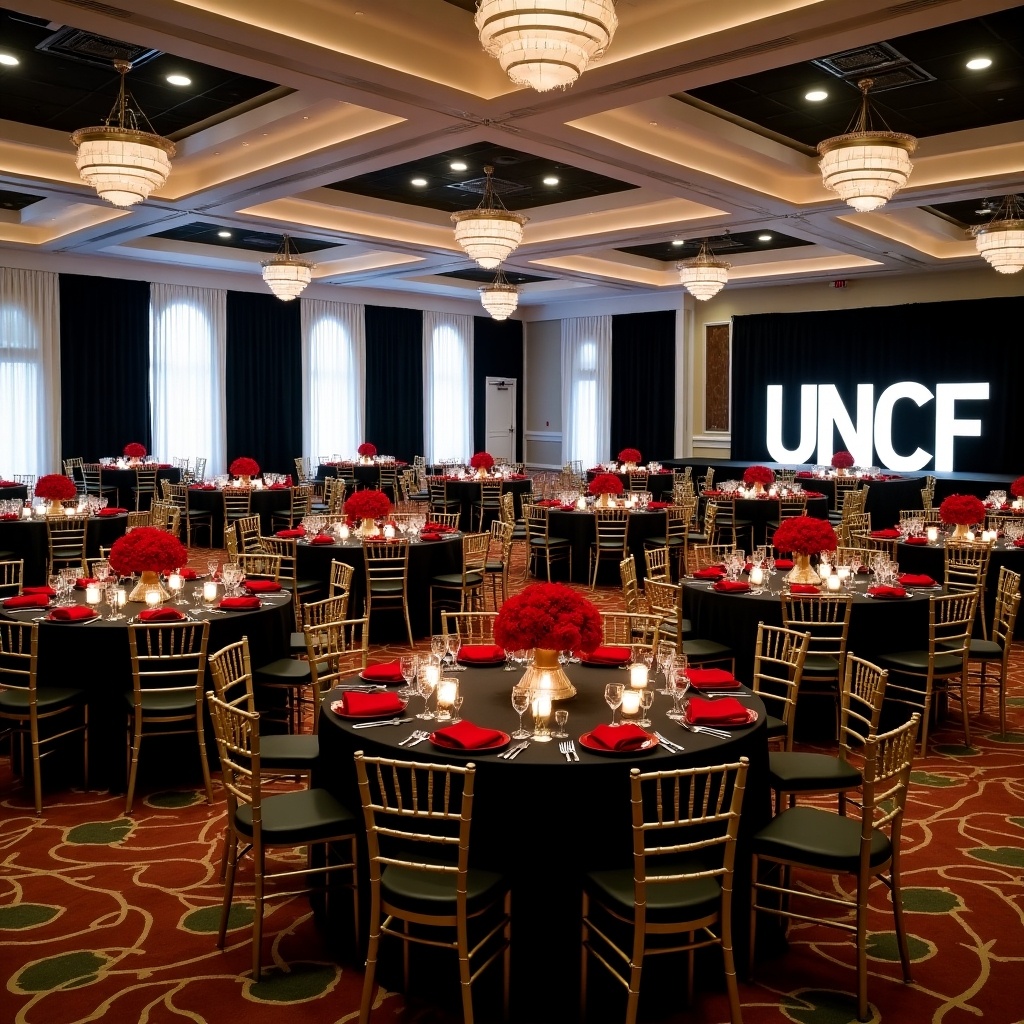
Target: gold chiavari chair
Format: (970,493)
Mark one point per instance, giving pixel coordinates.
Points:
(545,549)
(236,503)
(386,564)
(630,586)
(466,587)
(12,573)
(657,564)
(65,537)
(778,672)
(194,519)
(611,539)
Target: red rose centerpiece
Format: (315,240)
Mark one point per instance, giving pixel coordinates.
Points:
(758,477)
(366,452)
(55,487)
(134,451)
(368,505)
(244,468)
(629,457)
(482,462)
(148,551)
(804,536)
(962,510)
(548,618)
(604,485)
(842,461)
(1017,487)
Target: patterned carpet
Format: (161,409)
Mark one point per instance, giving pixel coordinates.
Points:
(108,918)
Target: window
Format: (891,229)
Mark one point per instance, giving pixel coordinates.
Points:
(448,369)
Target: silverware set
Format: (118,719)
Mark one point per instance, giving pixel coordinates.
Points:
(568,749)
(670,745)
(417,736)
(706,730)
(513,752)
(388,721)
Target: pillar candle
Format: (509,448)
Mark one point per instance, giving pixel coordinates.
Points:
(834,583)
(638,676)
(756,576)
(209,591)
(933,534)
(92,594)
(630,702)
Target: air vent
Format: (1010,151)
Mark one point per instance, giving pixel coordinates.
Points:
(90,48)
(94,5)
(500,186)
(888,68)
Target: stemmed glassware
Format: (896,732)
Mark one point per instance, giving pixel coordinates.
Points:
(680,684)
(408,665)
(114,601)
(439,647)
(613,698)
(453,645)
(646,700)
(561,718)
(666,655)
(521,699)
(425,687)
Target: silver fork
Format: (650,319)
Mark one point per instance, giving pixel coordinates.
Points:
(564,748)
(512,751)
(670,745)
(706,730)
(417,736)
(572,750)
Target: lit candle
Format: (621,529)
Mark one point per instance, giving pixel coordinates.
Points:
(210,591)
(630,702)
(756,576)
(70,511)
(152,597)
(26,512)
(432,673)
(833,583)
(174,581)
(389,532)
(933,534)
(122,597)
(40,511)
(92,594)
(825,570)
(581,503)
(447,691)
(541,705)
(638,676)
(969,535)
(343,531)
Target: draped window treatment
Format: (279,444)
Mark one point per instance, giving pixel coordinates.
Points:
(334,378)
(448,373)
(586,389)
(187,346)
(29,372)
(394,381)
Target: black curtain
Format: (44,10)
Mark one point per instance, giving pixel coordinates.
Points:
(928,343)
(643,383)
(264,380)
(394,381)
(497,352)
(104,366)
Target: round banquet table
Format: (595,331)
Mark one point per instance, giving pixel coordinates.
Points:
(9,493)
(886,498)
(760,511)
(545,821)
(930,559)
(579,528)
(124,480)
(95,655)
(263,502)
(365,475)
(467,490)
(658,484)
(27,539)
(427,558)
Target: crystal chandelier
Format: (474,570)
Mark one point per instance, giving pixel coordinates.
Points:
(500,298)
(287,274)
(121,160)
(545,44)
(1001,240)
(703,276)
(866,168)
(490,233)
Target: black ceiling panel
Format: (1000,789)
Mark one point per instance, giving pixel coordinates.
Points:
(487,276)
(16,200)
(969,212)
(256,241)
(722,245)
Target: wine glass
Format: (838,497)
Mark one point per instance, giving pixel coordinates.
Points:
(521,700)
(101,570)
(561,717)
(211,565)
(408,665)
(613,698)
(454,643)
(425,687)
(646,700)
(439,647)
(680,684)
(456,707)
(666,656)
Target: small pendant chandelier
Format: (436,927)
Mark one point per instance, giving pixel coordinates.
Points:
(123,161)
(866,168)
(287,274)
(1001,240)
(704,276)
(499,298)
(490,233)
(545,44)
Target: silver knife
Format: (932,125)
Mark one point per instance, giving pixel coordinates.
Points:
(516,753)
(389,721)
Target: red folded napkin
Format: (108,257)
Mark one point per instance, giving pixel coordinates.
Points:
(475,654)
(112,511)
(386,672)
(299,531)
(659,504)
(42,589)
(355,703)
(804,588)
(262,586)
(188,574)
(72,613)
(8,483)
(712,679)
(712,494)
(914,579)
(805,474)
(430,536)
(619,737)
(84,581)
(723,711)
(712,572)
(440,528)
(916,540)
(548,503)
(1019,543)
(279,487)
(887,592)
(27,601)
(467,736)
(732,586)
(10,516)
(891,533)
(160,615)
(202,487)
(321,538)
(239,603)
(607,655)
(783,563)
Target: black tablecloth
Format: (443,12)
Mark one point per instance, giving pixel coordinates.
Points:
(545,821)
(760,511)
(15,491)
(658,484)
(27,539)
(579,528)
(124,480)
(468,491)
(262,502)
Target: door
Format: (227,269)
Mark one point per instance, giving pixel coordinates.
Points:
(500,419)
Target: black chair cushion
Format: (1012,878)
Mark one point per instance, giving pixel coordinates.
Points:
(700,649)
(917,661)
(48,698)
(284,670)
(431,892)
(820,665)
(285,750)
(686,900)
(804,771)
(987,650)
(302,816)
(454,579)
(162,702)
(820,839)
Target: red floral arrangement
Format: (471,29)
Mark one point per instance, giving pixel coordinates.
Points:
(244,467)
(551,616)
(962,509)
(1017,487)
(629,455)
(605,483)
(147,549)
(134,450)
(805,535)
(482,460)
(758,475)
(368,504)
(842,460)
(55,487)
(367,450)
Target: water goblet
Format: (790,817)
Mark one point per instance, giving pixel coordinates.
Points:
(520,702)
(646,700)
(197,599)
(453,645)
(510,660)
(680,684)
(456,707)
(408,665)
(439,647)
(561,717)
(425,685)
(666,656)
(211,565)
(613,698)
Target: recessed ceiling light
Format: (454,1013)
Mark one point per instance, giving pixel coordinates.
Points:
(678,241)
(457,165)
(179,80)
(418,182)
(764,238)
(223,234)
(550,180)
(9,60)
(978,63)
(816,95)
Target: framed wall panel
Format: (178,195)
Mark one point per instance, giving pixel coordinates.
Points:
(717,367)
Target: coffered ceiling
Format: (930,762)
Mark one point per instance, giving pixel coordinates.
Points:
(356,127)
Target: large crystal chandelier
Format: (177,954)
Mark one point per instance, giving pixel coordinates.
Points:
(1001,240)
(121,160)
(866,168)
(703,276)
(545,44)
(287,274)
(490,233)
(499,298)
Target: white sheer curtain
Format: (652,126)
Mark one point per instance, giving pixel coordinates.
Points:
(29,372)
(334,377)
(586,389)
(448,374)
(187,332)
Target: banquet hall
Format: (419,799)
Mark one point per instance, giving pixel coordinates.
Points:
(294,277)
